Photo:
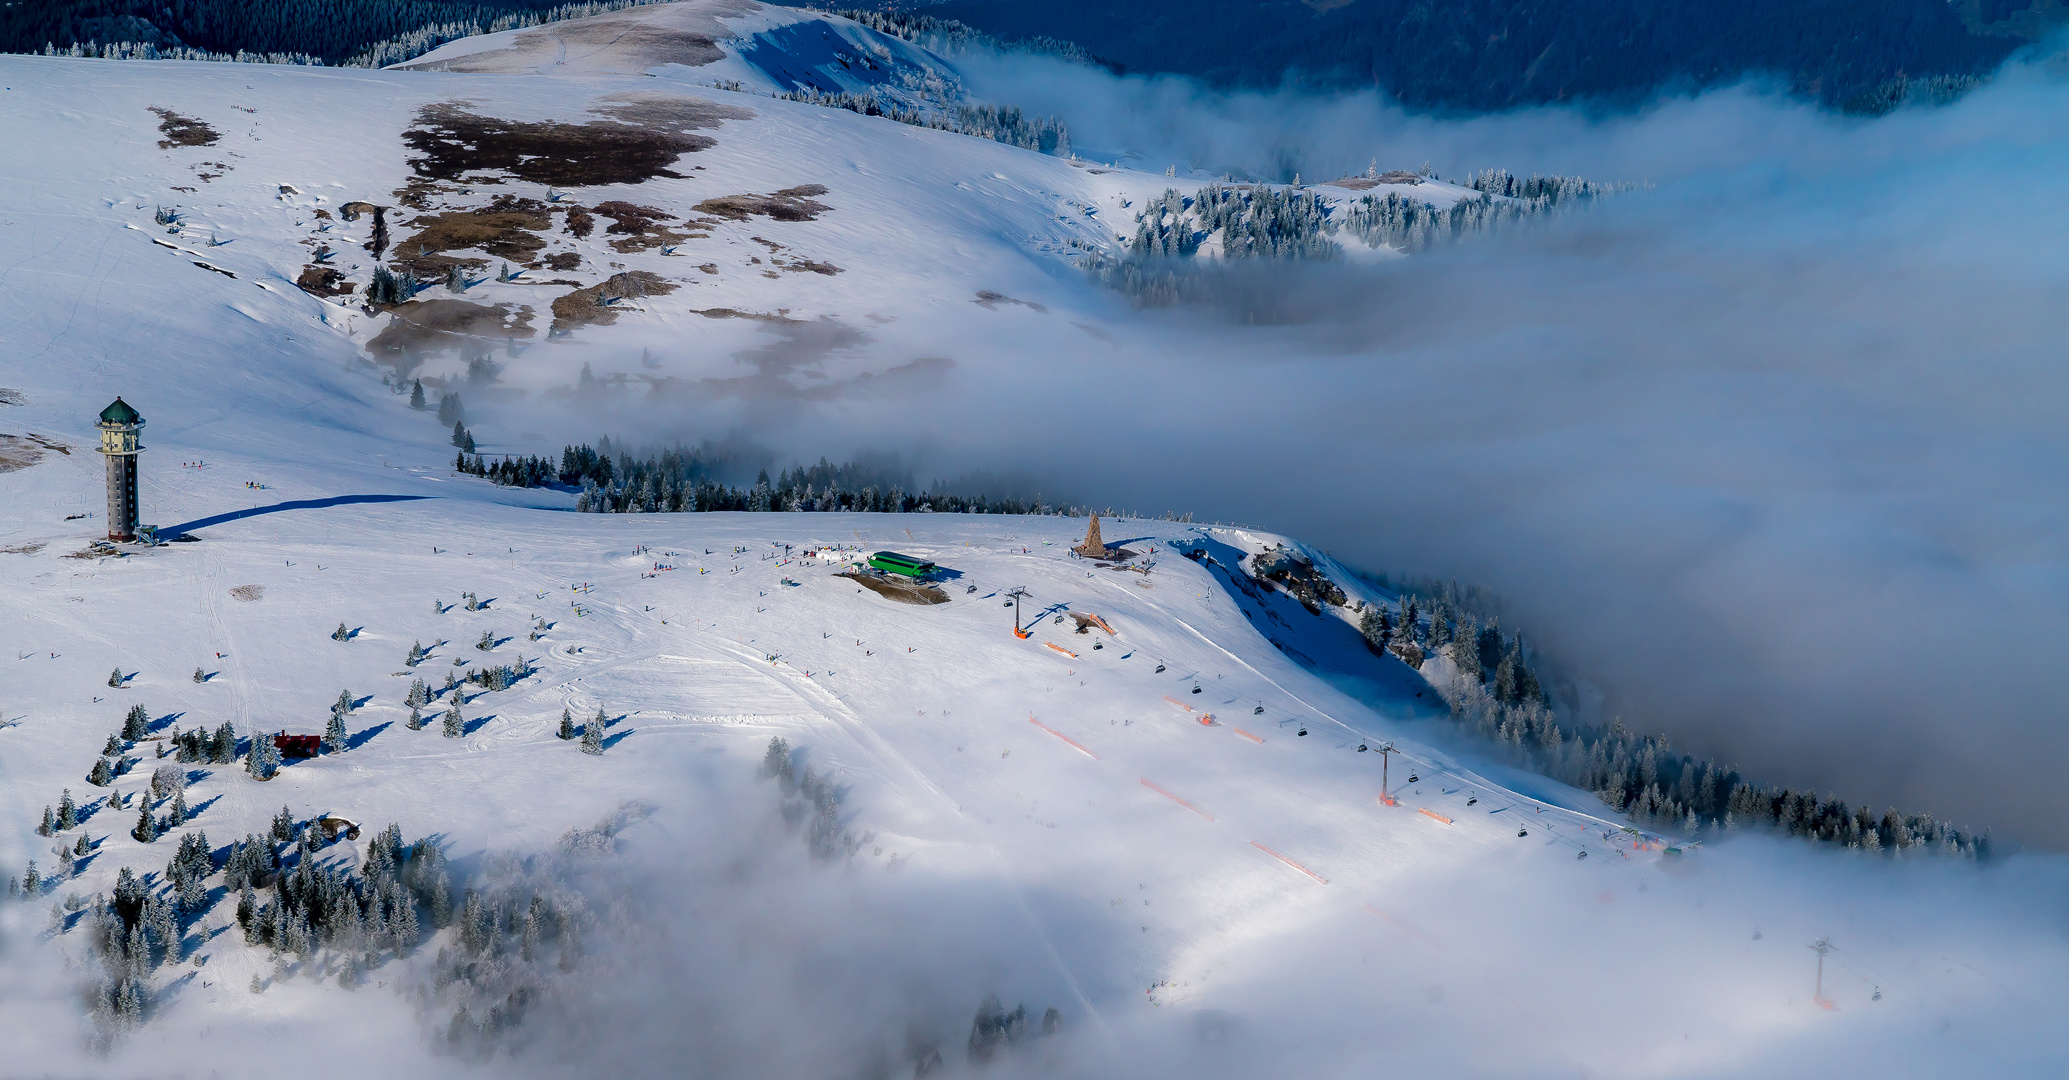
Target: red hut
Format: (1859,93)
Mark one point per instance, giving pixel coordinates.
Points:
(297,745)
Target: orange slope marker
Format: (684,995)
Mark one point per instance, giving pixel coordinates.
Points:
(1397,925)
(1178,703)
(1433,814)
(1080,746)
(1101,623)
(1289,862)
(1146,782)
(1061,649)
(1248,736)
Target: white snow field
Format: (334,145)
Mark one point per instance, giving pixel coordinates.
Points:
(1040,819)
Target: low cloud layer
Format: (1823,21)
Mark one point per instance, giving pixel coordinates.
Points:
(1770,452)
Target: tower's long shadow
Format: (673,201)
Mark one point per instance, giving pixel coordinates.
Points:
(294,504)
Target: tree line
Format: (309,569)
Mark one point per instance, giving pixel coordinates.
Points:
(335,32)
(682,480)
(1497,694)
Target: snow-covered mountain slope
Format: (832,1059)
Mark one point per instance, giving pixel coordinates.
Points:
(1045,820)
(751,46)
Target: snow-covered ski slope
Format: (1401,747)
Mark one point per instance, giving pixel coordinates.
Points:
(1198,899)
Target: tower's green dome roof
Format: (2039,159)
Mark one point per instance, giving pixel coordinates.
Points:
(120,413)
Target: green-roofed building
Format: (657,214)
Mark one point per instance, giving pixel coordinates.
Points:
(120,428)
(891,562)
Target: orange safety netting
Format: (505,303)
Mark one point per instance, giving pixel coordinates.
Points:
(1065,738)
(1289,862)
(1146,782)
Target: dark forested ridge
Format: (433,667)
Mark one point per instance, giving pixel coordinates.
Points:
(331,30)
(1474,55)
(1468,55)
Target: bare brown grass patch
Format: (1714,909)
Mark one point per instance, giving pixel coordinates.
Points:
(183,130)
(323,281)
(509,228)
(422,328)
(790,204)
(598,305)
(642,140)
(640,228)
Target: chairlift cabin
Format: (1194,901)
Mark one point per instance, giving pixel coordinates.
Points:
(891,562)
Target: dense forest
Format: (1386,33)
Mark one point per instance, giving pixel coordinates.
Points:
(290,31)
(1495,692)
(1254,221)
(1483,55)
(611,478)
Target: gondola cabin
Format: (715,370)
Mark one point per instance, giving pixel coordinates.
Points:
(890,562)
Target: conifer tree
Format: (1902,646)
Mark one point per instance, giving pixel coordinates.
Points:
(84,846)
(32,883)
(776,760)
(136,723)
(454,725)
(264,759)
(101,776)
(416,719)
(146,830)
(200,676)
(416,394)
(67,812)
(49,826)
(334,732)
(178,814)
(567,724)
(592,734)
(115,680)
(113,747)
(341,634)
(487,642)
(344,704)
(416,654)
(419,694)
(283,826)
(223,748)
